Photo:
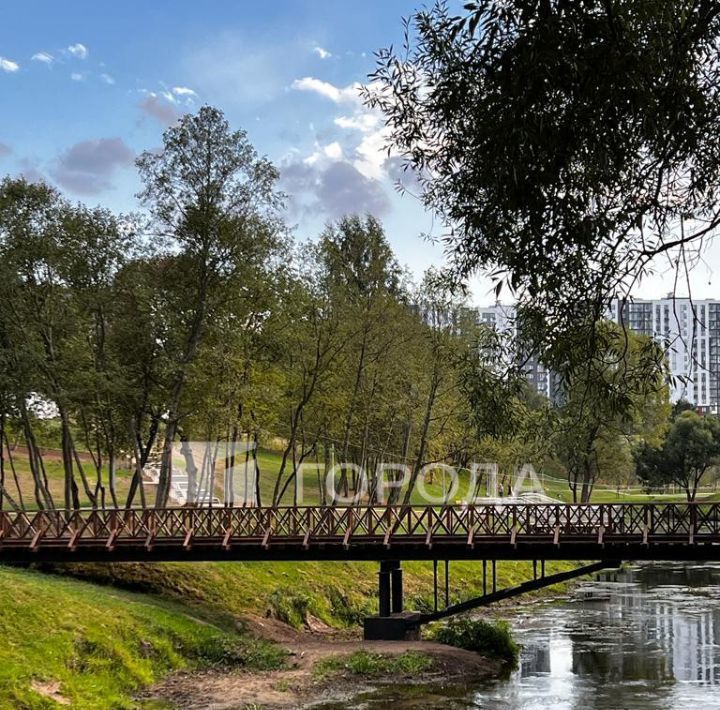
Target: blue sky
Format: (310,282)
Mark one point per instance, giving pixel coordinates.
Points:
(86,86)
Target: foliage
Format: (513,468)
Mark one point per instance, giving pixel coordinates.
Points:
(214,199)
(617,397)
(490,639)
(551,135)
(217,329)
(290,606)
(220,329)
(691,447)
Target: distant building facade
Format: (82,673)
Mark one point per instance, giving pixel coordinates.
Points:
(502,318)
(688,330)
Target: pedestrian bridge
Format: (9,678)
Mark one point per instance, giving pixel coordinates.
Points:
(617,531)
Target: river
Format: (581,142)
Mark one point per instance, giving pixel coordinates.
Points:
(646,637)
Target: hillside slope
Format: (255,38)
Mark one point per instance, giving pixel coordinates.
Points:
(69,642)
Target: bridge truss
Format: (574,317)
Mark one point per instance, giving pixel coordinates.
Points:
(526,531)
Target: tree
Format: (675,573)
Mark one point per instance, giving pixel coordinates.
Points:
(214,198)
(616,398)
(444,356)
(513,422)
(691,447)
(565,144)
(682,405)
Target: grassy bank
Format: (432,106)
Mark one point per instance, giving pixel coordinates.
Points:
(375,665)
(68,642)
(340,594)
(95,635)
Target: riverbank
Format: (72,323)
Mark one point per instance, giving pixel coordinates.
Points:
(93,636)
(340,594)
(70,643)
(322,667)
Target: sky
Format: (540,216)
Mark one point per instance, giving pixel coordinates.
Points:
(87,86)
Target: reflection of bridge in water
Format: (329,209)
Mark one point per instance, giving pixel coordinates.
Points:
(606,532)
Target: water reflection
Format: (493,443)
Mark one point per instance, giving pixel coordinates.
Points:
(645,638)
(648,637)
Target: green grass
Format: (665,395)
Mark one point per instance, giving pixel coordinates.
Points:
(493,640)
(269,462)
(338,593)
(98,646)
(374,665)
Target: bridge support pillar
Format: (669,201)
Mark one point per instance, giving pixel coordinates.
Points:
(396,579)
(390,588)
(384,588)
(391,624)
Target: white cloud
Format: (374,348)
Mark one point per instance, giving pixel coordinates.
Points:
(107,79)
(77,76)
(333,151)
(364,122)
(78,50)
(44,57)
(372,154)
(7,65)
(347,94)
(322,53)
(183,91)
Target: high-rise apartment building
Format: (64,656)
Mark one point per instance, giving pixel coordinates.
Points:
(688,330)
(502,318)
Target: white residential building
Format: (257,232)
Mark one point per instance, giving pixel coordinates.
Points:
(688,330)
(502,318)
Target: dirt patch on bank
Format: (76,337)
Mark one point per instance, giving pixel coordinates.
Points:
(298,686)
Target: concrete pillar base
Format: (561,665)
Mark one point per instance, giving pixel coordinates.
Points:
(391,628)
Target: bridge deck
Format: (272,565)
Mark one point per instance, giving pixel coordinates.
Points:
(528,531)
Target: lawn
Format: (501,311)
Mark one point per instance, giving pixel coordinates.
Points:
(269,462)
(75,643)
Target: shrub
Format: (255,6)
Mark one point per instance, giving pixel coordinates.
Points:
(490,639)
(244,652)
(289,607)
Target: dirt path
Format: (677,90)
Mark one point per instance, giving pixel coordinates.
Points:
(297,686)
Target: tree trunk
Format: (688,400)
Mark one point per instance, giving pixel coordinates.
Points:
(111,478)
(230,467)
(434,385)
(191,468)
(72,498)
(246,466)
(163,489)
(142,454)
(11,461)
(2,459)
(257,469)
(42,491)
